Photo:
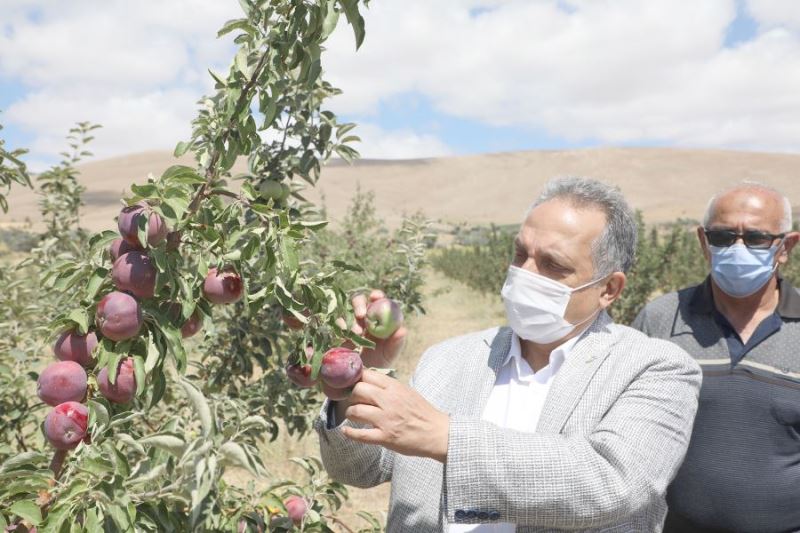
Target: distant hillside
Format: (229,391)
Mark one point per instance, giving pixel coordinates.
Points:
(664,183)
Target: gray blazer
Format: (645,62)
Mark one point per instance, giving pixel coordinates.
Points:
(614,430)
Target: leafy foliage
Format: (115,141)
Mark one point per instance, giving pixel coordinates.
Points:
(12,170)
(160,462)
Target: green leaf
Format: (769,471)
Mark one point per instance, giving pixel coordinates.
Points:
(236,24)
(233,454)
(331,18)
(23,459)
(81,319)
(148,190)
(27,510)
(98,414)
(200,406)
(102,239)
(181,148)
(355,19)
(169,443)
(139,372)
(95,281)
(181,174)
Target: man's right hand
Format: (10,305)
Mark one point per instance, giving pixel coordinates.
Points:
(386,350)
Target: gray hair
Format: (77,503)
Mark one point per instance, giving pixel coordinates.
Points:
(786,221)
(615,249)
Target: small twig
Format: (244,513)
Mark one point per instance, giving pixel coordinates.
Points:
(201,191)
(338,522)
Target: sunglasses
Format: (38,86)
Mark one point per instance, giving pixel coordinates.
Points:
(752,238)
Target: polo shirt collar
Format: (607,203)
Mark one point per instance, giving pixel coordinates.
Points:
(788,301)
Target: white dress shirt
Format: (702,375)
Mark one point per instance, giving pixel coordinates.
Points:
(516,402)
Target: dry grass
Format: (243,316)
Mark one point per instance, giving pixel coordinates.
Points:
(452,309)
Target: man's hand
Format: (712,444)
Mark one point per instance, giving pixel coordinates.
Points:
(401,419)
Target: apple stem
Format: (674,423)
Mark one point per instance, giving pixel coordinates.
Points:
(57,462)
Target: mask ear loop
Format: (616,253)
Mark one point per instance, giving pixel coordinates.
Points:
(779,245)
(599,309)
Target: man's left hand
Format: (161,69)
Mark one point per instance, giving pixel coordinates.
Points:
(401,419)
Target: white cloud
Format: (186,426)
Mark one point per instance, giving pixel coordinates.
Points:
(378,143)
(136,68)
(615,71)
(771,13)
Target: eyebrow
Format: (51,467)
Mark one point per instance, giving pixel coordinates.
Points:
(556,257)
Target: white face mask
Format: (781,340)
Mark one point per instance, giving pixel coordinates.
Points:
(535,305)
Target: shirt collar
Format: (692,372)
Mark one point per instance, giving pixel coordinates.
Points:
(788,300)
(557,356)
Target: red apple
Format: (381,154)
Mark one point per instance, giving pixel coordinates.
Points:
(118,316)
(296,508)
(72,346)
(134,272)
(222,287)
(341,368)
(128,225)
(64,381)
(66,424)
(124,387)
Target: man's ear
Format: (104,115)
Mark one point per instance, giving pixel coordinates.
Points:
(612,289)
(701,236)
(789,242)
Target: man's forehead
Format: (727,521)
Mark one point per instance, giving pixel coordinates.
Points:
(562,224)
(748,207)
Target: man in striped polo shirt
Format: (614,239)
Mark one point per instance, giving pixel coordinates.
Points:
(742,324)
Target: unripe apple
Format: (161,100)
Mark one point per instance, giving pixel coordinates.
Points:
(120,246)
(128,225)
(134,272)
(72,346)
(118,316)
(66,424)
(124,388)
(64,381)
(384,317)
(296,508)
(341,368)
(275,190)
(222,287)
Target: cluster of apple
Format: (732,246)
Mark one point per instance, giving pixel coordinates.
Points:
(118,317)
(341,367)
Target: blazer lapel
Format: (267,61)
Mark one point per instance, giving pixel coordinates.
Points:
(483,380)
(575,374)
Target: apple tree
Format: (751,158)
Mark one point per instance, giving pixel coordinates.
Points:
(139,434)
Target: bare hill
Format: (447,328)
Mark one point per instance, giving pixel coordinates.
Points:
(664,183)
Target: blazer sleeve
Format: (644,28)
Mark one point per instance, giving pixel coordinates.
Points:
(347,461)
(579,482)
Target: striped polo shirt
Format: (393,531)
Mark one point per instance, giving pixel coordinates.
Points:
(742,469)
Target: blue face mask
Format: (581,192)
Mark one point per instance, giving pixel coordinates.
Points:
(740,271)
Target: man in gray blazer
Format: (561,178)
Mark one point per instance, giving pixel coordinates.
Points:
(562,421)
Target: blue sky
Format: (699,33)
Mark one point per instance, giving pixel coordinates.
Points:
(450,77)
